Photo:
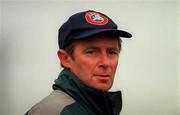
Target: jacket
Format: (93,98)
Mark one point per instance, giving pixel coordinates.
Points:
(73,97)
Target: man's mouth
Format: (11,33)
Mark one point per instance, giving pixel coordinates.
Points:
(102,77)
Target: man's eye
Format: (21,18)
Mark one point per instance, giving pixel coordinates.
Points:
(113,52)
(90,52)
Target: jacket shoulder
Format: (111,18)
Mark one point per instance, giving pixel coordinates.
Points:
(52,104)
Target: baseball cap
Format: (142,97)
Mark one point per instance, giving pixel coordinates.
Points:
(84,24)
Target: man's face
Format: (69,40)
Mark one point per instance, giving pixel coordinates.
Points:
(95,61)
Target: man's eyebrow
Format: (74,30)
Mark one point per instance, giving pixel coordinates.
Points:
(92,47)
(113,48)
(98,48)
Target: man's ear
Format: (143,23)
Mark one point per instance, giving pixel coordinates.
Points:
(64,58)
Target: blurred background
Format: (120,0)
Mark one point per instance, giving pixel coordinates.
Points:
(148,72)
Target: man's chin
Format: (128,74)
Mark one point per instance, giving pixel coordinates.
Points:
(104,87)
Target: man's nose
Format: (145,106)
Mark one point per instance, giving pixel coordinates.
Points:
(104,60)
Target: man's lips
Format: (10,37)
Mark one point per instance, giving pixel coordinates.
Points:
(103,77)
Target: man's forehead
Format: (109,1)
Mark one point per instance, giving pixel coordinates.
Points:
(97,43)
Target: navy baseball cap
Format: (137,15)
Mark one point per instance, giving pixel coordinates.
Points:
(84,24)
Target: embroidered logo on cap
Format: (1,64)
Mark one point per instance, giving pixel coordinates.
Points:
(96,18)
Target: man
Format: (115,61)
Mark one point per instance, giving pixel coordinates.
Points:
(89,47)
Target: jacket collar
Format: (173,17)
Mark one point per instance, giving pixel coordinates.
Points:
(101,102)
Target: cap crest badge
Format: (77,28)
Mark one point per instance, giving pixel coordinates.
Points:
(96,18)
